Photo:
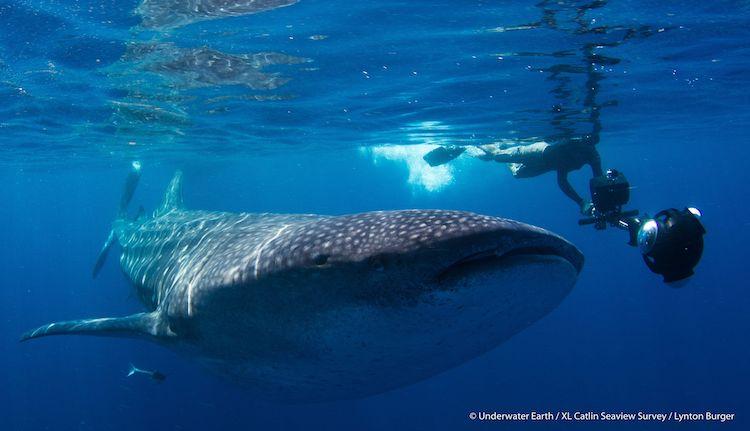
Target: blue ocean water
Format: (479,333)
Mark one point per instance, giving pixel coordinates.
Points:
(327,107)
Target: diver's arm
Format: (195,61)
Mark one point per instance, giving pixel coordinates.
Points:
(564,184)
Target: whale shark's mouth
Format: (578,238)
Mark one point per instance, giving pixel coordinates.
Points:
(493,259)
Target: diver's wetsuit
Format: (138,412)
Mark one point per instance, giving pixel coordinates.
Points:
(531,160)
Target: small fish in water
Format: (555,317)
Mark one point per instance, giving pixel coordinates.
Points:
(318,37)
(155,375)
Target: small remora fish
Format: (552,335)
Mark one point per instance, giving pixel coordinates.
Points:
(154,375)
(307,308)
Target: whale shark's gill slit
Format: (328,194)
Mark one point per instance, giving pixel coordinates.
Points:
(320,259)
(256,272)
(197,272)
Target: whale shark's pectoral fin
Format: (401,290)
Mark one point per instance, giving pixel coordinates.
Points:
(141,325)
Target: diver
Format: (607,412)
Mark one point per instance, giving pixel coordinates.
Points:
(154,375)
(526,161)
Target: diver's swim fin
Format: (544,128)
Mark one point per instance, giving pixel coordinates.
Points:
(148,325)
(442,155)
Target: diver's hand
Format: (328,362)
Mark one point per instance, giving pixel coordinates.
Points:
(587,209)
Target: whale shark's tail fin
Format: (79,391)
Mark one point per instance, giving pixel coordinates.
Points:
(173,196)
(103,253)
(133,370)
(130,184)
(148,325)
(127,195)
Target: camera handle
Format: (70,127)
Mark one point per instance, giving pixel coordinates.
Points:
(626,220)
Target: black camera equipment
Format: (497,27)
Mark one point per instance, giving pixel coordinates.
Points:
(671,243)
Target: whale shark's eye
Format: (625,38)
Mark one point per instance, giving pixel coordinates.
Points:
(320,259)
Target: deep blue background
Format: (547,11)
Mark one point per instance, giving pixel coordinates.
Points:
(621,341)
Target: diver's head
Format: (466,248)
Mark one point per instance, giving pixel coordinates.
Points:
(672,243)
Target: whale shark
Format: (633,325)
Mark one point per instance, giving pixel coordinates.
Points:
(205,67)
(166,14)
(310,308)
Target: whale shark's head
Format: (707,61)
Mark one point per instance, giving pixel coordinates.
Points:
(342,307)
(399,255)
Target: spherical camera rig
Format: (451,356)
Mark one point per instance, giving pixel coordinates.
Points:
(671,242)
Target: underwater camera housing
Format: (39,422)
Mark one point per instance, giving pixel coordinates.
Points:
(609,193)
(671,243)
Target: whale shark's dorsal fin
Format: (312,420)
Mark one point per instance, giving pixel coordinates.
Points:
(173,197)
(149,325)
